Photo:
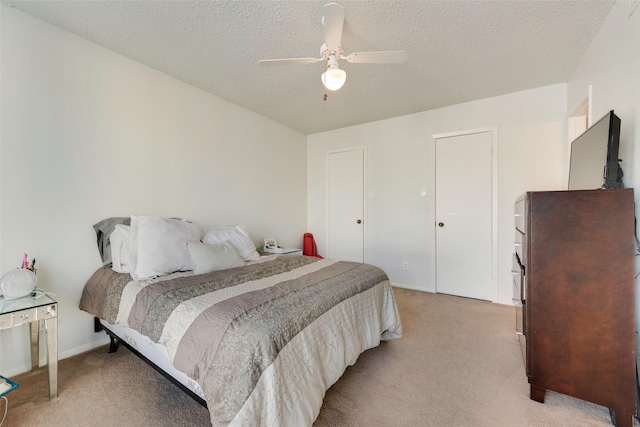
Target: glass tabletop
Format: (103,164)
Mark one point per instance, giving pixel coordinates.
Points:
(18,304)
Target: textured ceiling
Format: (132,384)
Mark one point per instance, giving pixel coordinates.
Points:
(458,50)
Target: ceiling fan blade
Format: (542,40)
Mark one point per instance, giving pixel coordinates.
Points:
(333,20)
(384,57)
(289,61)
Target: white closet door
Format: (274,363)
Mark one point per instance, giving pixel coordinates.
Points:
(346,205)
(463,216)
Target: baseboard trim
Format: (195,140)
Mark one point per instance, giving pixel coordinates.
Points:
(83,348)
(414,288)
(104,340)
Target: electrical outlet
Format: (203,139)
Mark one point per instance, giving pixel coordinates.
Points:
(405,265)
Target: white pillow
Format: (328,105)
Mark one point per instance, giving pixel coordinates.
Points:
(238,237)
(213,257)
(158,246)
(120,240)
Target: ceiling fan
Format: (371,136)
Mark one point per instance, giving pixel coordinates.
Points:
(333,78)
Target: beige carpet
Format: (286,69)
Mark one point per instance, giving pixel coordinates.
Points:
(458,364)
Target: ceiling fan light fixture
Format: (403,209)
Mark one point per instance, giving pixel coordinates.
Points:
(333,78)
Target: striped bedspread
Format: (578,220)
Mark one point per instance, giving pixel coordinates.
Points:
(264,341)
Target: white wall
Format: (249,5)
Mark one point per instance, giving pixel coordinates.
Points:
(400,223)
(611,66)
(87,134)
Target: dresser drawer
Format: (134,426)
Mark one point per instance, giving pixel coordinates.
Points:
(25,316)
(6,321)
(518,217)
(517,292)
(47,311)
(517,272)
(21,317)
(518,244)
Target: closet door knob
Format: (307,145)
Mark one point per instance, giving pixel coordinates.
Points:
(359,221)
(441,224)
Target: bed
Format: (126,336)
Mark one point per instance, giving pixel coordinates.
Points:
(259,343)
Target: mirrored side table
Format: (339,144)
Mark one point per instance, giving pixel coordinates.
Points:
(34,311)
(281,251)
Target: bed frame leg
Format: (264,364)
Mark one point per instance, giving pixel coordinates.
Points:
(97,327)
(113,347)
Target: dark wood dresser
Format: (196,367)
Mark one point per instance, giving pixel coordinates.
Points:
(577,255)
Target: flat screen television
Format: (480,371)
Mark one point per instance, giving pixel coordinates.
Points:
(594,156)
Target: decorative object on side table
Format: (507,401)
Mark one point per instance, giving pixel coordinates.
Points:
(19,282)
(270,243)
